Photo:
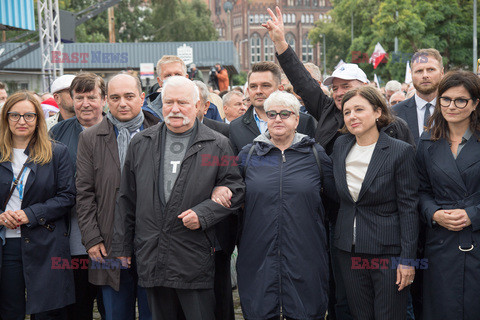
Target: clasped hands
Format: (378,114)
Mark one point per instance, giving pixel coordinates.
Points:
(13,219)
(452,219)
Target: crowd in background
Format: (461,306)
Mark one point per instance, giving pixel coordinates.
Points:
(344,200)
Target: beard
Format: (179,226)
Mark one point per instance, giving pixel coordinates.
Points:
(177,115)
(428,89)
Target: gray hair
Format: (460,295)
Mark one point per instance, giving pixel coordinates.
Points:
(393,85)
(179,81)
(398,93)
(314,71)
(284,99)
(228,96)
(202,88)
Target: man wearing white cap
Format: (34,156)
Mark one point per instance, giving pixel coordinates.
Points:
(329,115)
(61,94)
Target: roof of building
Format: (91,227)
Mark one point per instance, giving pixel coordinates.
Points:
(17,14)
(105,56)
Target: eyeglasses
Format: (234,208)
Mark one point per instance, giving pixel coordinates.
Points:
(284,114)
(459,103)
(28,117)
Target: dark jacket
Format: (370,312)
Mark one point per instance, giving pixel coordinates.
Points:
(49,194)
(282,254)
(244,129)
(169,254)
(218,126)
(225,230)
(98,180)
(407,110)
(323,108)
(451,283)
(386,209)
(67,132)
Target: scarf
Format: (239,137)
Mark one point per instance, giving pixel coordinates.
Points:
(124,133)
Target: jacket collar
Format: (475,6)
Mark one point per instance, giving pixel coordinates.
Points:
(301,143)
(249,121)
(441,155)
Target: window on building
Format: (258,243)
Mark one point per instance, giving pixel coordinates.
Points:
(268,49)
(255,47)
(284,18)
(293,17)
(315,3)
(311,19)
(257,18)
(303,18)
(322,3)
(290,38)
(307,50)
(250,18)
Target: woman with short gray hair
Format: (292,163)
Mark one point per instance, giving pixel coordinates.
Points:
(282,253)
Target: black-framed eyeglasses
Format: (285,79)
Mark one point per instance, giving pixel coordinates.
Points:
(284,114)
(460,103)
(28,117)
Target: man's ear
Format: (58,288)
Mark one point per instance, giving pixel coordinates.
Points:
(160,82)
(207,105)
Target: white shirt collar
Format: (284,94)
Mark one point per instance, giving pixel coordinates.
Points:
(421,103)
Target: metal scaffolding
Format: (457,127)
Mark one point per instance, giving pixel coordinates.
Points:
(49,38)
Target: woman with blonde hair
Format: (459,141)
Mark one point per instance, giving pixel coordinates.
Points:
(36,192)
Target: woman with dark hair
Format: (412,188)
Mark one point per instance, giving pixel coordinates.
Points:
(448,158)
(36,192)
(377,224)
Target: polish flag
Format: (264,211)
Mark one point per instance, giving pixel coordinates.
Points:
(377,56)
(408,73)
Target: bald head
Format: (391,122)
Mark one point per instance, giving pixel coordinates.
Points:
(128,78)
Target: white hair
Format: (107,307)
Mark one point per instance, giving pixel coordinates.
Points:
(393,85)
(202,87)
(284,99)
(227,97)
(179,81)
(314,71)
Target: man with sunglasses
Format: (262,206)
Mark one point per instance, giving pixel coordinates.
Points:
(263,80)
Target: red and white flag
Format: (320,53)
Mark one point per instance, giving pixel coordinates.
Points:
(377,56)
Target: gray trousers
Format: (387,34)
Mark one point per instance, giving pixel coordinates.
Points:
(175,304)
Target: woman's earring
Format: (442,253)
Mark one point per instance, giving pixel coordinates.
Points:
(377,119)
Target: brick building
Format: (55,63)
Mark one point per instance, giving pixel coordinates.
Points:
(240,21)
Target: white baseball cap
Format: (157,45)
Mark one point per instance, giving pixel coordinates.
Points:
(347,71)
(63,82)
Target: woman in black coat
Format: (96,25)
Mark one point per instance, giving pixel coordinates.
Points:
(448,159)
(377,224)
(36,192)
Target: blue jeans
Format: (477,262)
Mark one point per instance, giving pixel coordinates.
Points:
(120,305)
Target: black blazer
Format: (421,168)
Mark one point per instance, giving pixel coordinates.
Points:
(244,129)
(407,110)
(386,209)
(220,127)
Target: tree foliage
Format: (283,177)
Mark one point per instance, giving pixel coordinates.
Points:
(442,24)
(175,20)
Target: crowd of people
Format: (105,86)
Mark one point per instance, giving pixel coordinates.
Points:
(344,200)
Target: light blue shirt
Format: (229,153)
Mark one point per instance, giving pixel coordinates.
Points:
(262,125)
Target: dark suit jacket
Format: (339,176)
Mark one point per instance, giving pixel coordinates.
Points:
(386,209)
(225,230)
(407,110)
(244,129)
(220,127)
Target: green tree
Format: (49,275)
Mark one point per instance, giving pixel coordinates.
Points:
(442,24)
(176,20)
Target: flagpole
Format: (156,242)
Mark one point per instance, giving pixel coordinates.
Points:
(475,36)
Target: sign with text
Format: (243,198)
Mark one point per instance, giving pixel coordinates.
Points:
(185,53)
(147,71)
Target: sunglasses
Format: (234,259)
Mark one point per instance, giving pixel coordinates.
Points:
(284,114)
